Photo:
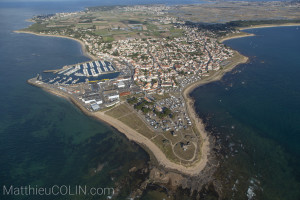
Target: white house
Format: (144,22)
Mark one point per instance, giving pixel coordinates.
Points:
(121,84)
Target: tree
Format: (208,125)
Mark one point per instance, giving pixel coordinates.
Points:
(115,53)
(153,81)
(132,100)
(146,110)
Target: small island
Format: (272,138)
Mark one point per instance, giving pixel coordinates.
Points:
(145,61)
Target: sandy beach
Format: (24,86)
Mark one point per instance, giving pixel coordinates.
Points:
(269,26)
(229,37)
(244,34)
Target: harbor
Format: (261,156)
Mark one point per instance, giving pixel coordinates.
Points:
(82,72)
(95,84)
(87,69)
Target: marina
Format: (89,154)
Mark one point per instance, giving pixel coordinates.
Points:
(81,72)
(92,68)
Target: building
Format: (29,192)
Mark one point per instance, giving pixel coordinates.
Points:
(92,98)
(121,84)
(113,97)
(95,106)
(112,103)
(99,101)
(125,93)
(89,100)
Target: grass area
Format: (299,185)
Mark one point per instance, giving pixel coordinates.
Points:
(151,27)
(160,97)
(176,32)
(173,139)
(37,27)
(103,23)
(166,147)
(102,32)
(119,111)
(108,39)
(131,119)
(84,25)
(187,154)
(100,23)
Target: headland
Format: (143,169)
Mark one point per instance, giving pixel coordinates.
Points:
(161,63)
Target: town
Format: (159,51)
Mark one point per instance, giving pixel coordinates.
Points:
(152,67)
(163,78)
(139,80)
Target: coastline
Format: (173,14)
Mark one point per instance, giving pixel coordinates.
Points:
(245,34)
(216,76)
(83,48)
(144,142)
(133,135)
(269,26)
(190,102)
(229,37)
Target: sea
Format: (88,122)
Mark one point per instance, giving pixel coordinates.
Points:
(45,141)
(254,113)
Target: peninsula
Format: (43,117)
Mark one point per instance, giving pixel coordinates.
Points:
(145,61)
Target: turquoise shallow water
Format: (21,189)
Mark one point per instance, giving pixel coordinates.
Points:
(255,113)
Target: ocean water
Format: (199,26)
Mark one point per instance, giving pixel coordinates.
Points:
(44,139)
(254,111)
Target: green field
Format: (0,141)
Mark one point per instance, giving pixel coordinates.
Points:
(131,119)
(166,147)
